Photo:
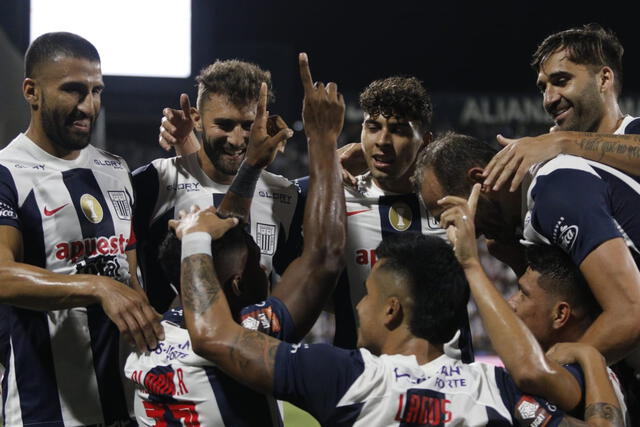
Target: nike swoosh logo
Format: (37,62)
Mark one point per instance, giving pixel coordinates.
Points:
(357,212)
(48,212)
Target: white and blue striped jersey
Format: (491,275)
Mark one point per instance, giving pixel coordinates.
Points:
(373,214)
(578,204)
(355,388)
(166,186)
(62,367)
(173,384)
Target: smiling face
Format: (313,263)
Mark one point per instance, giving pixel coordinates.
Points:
(68,98)
(391,146)
(225,134)
(571,94)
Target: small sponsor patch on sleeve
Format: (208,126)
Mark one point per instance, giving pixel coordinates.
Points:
(263,320)
(529,412)
(7,211)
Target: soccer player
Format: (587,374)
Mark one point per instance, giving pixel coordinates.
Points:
(416,294)
(586,208)
(67,258)
(174,382)
(226,107)
(579,73)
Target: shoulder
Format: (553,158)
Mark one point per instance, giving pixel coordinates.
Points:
(630,125)
(270,179)
(105,158)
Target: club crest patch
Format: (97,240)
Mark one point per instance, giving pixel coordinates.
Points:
(400,216)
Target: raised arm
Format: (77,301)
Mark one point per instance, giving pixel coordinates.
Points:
(523,357)
(518,155)
(35,288)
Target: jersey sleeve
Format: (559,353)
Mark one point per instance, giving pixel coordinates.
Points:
(145,188)
(270,317)
(527,410)
(8,199)
(314,377)
(573,211)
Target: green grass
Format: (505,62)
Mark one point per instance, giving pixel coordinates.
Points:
(296,417)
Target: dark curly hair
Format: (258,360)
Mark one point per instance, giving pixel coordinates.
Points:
(50,45)
(239,81)
(436,283)
(587,45)
(398,96)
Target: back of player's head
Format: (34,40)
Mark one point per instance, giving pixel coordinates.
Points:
(398,96)
(50,46)
(560,277)
(234,254)
(239,81)
(434,281)
(450,157)
(587,45)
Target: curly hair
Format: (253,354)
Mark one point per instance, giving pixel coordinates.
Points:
(398,96)
(587,45)
(239,81)
(434,279)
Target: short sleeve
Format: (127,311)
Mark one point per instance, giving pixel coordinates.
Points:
(315,377)
(8,199)
(270,317)
(572,209)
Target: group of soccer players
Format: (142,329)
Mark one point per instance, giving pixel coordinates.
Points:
(391,244)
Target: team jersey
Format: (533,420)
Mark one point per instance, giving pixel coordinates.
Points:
(166,186)
(176,385)
(373,214)
(62,366)
(561,212)
(355,388)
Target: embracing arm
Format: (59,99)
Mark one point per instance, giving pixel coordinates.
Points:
(523,357)
(614,280)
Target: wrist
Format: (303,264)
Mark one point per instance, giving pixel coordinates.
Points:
(197,242)
(244,183)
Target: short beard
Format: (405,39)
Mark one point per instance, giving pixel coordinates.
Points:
(214,151)
(54,126)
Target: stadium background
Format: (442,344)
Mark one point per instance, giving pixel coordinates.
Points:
(472,57)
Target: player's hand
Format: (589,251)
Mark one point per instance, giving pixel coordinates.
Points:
(268,134)
(352,161)
(458,219)
(322,107)
(176,128)
(573,352)
(201,220)
(517,156)
(129,309)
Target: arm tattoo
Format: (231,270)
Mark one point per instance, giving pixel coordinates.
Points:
(199,282)
(596,144)
(254,350)
(605,411)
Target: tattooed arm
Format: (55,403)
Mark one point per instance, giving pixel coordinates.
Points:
(518,155)
(602,408)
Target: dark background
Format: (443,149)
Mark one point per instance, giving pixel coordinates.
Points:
(468,54)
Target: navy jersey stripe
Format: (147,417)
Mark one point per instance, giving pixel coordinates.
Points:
(345,321)
(494,419)
(104,334)
(239,405)
(217,199)
(145,188)
(633,127)
(35,372)
(508,390)
(384,207)
(465,342)
(8,197)
(156,282)
(34,252)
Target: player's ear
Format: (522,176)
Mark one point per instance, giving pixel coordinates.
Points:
(475,175)
(394,313)
(31,93)
(235,284)
(561,313)
(606,79)
(197,120)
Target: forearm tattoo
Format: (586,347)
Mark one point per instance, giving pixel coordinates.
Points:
(598,144)
(253,348)
(199,283)
(605,411)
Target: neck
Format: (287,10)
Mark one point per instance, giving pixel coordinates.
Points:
(36,134)
(210,170)
(405,343)
(400,185)
(612,118)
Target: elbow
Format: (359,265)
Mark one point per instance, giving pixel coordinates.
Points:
(530,377)
(205,344)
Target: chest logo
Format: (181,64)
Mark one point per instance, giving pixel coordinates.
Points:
(400,216)
(91,208)
(121,205)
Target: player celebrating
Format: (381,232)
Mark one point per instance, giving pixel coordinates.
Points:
(226,107)
(174,382)
(66,251)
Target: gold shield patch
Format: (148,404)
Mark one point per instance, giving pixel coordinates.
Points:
(91,208)
(400,216)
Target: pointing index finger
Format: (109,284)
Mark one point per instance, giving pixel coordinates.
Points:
(473,199)
(185,105)
(261,112)
(305,72)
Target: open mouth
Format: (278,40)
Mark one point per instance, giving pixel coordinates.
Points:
(382,161)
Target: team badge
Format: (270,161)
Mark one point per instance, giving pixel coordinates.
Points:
(91,208)
(400,216)
(121,205)
(266,238)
